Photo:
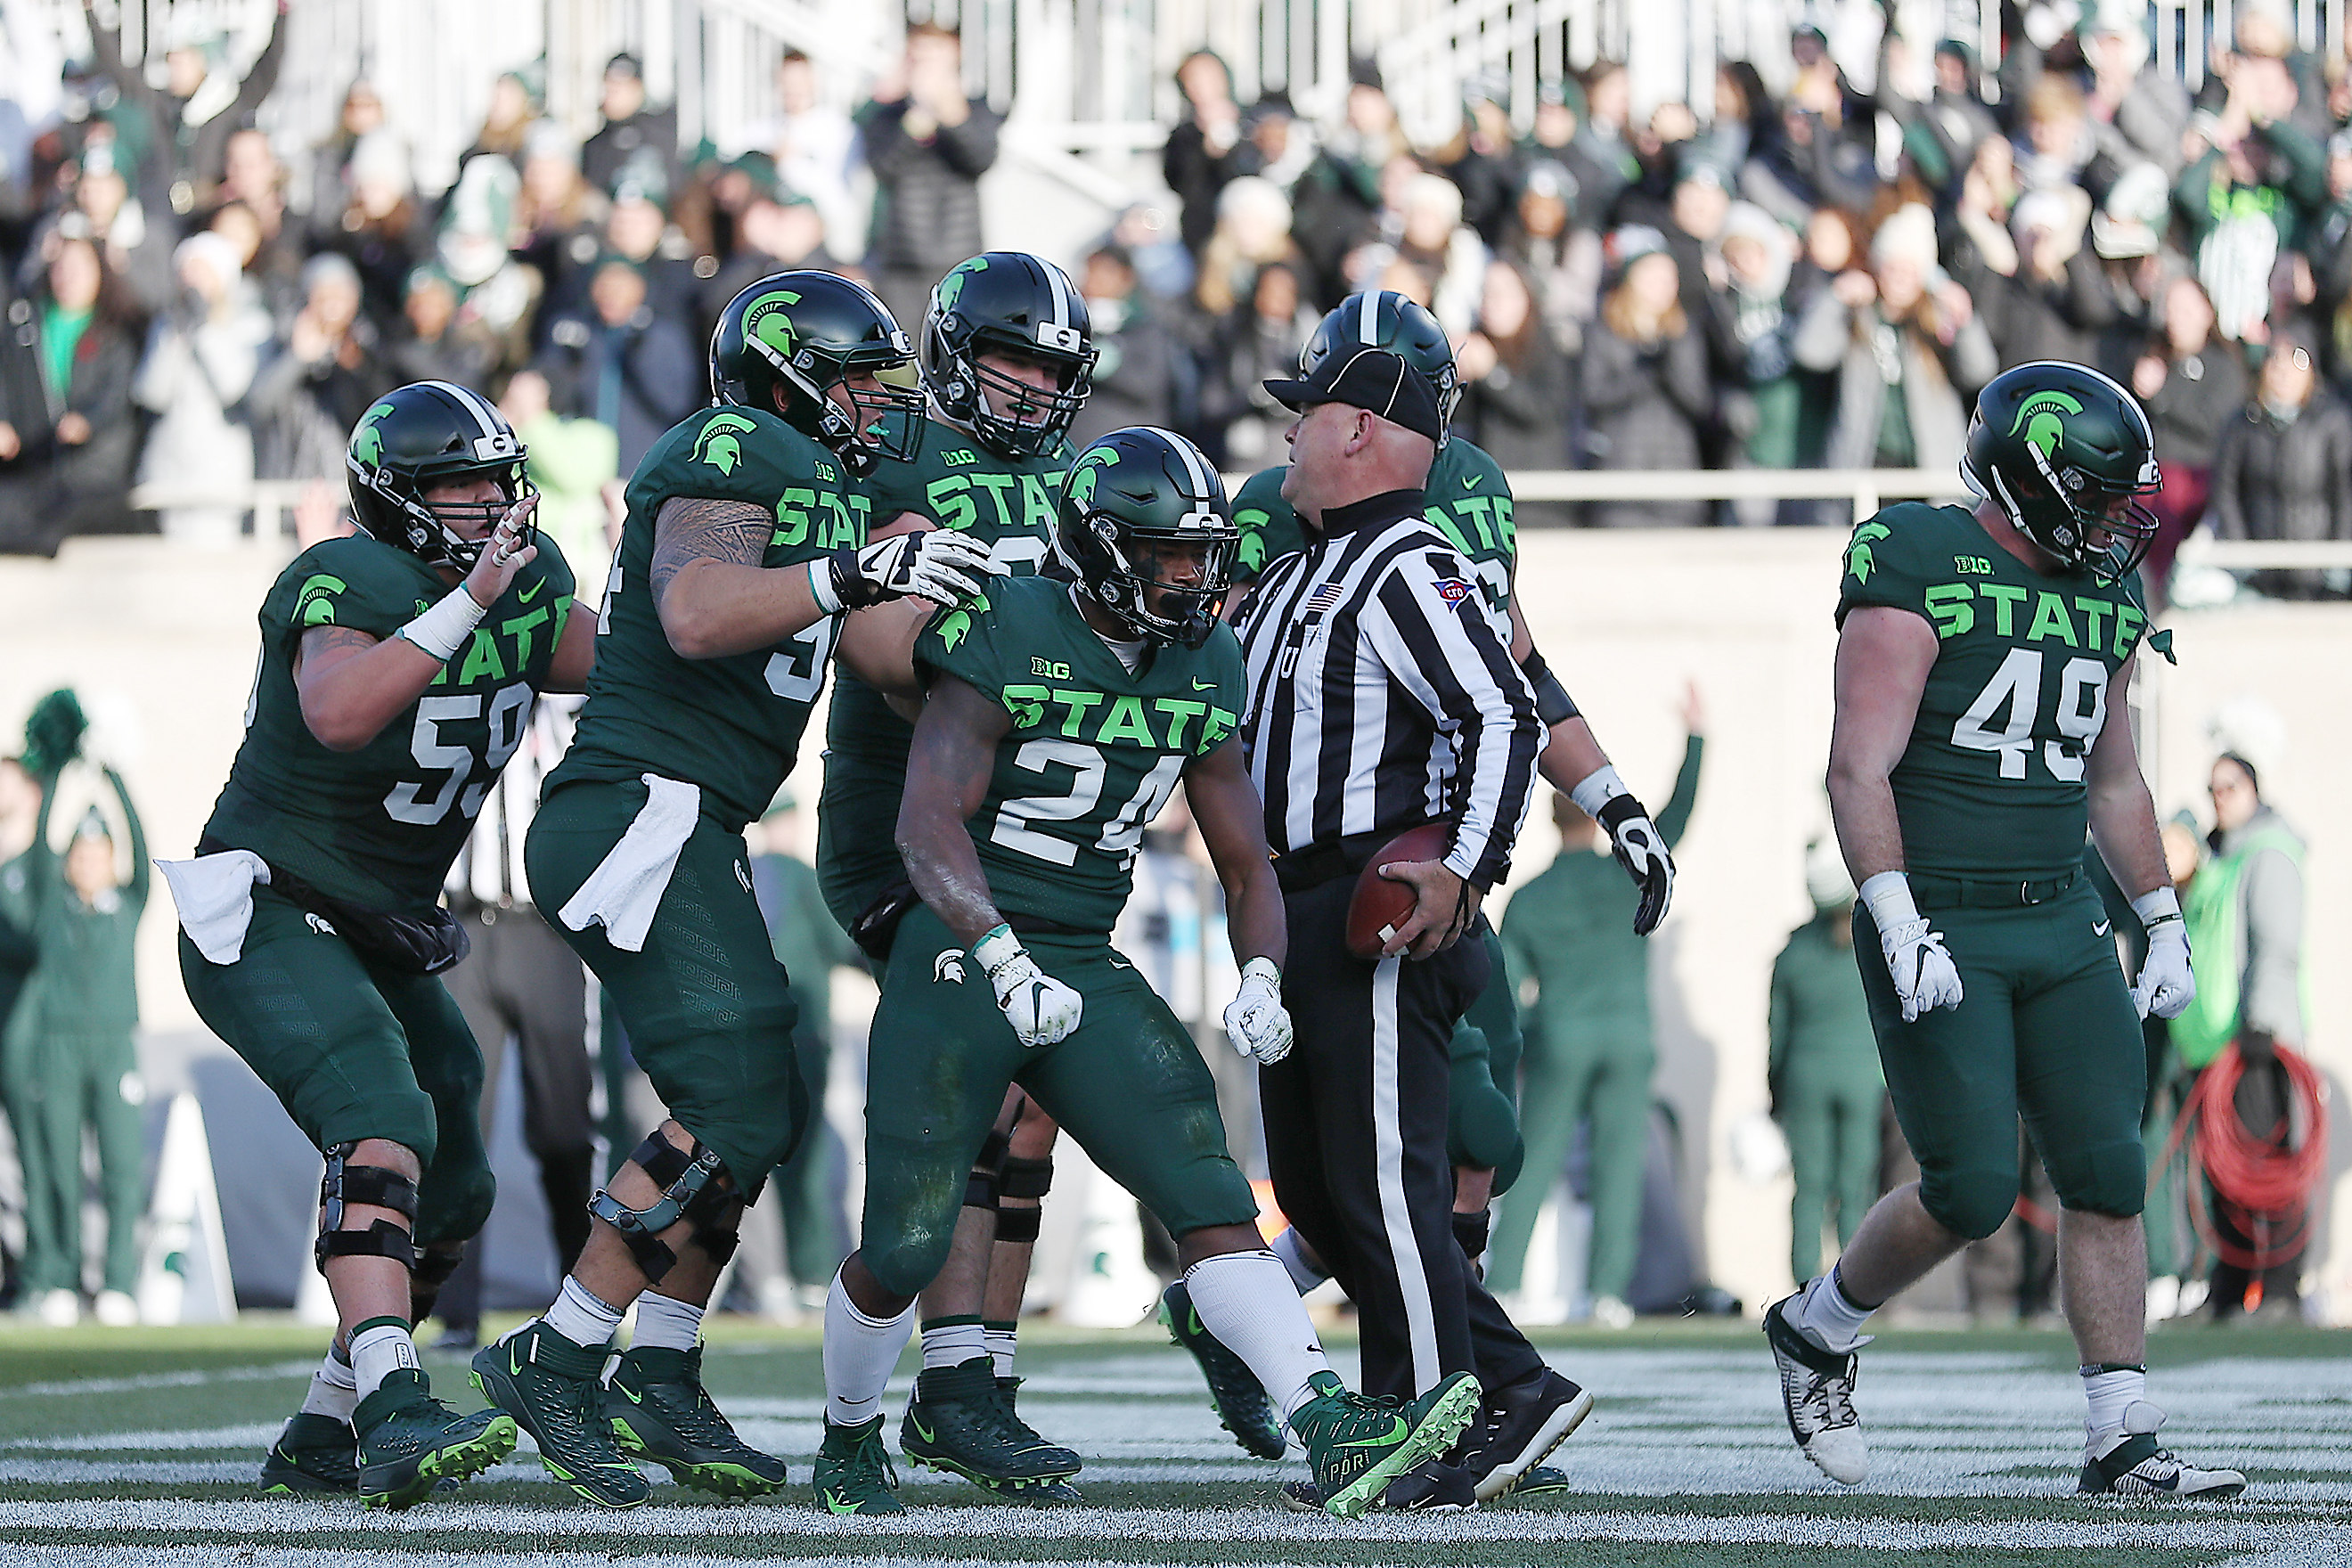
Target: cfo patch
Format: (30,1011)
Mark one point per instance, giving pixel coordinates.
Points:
(1453,590)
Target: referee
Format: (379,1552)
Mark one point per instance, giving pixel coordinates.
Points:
(1380,700)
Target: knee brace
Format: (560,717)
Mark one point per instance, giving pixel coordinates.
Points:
(986,1183)
(435,1264)
(1030,1179)
(696,1186)
(374,1186)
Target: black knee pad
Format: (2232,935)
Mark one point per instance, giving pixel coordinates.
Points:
(376,1186)
(986,1183)
(1018,1225)
(435,1264)
(1031,1179)
(1972,1203)
(683,1178)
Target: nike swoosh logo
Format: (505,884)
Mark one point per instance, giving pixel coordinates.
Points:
(1195,1328)
(525,596)
(1396,1434)
(925,1433)
(835,1503)
(631,1395)
(1470,481)
(2100,927)
(1200,685)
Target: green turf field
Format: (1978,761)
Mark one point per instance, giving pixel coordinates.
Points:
(129,1448)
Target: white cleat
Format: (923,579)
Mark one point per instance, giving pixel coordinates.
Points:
(1817,1396)
(2130,1462)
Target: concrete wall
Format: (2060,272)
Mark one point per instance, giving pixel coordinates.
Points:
(169,635)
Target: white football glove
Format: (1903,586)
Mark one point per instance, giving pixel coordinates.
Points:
(1256,1020)
(941,565)
(1042,1010)
(1923,974)
(2166,984)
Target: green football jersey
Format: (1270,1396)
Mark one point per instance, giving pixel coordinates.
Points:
(957,483)
(1990,785)
(1467,498)
(731,726)
(1094,752)
(380,825)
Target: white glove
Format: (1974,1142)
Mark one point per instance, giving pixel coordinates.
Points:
(2166,984)
(940,564)
(1925,976)
(1256,1020)
(1042,1010)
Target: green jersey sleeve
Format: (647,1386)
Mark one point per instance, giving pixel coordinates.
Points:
(964,643)
(345,583)
(1888,561)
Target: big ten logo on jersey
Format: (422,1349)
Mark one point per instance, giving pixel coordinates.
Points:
(818,520)
(502,649)
(1159,723)
(1003,501)
(959,457)
(2093,624)
(1051,669)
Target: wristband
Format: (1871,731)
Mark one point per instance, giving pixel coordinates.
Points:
(997,948)
(1597,789)
(1888,896)
(1266,969)
(821,588)
(2155,909)
(1553,704)
(444,628)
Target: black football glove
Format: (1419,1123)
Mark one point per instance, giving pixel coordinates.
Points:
(1641,848)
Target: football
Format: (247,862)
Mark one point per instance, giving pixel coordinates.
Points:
(1380,904)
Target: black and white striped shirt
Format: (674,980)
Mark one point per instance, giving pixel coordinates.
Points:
(1380,697)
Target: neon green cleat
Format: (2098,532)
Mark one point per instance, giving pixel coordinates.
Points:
(1357,1446)
(554,1391)
(1240,1399)
(661,1412)
(959,1422)
(854,1473)
(408,1441)
(315,1456)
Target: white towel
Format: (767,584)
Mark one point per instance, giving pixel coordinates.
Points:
(626,887)
(214,894)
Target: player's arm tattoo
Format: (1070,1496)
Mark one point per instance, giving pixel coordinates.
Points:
(694,528)
(329,645)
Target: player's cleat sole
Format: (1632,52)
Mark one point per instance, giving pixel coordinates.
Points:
(1358,1446)
(1428,1488)
(315,1456)
(854,1473)
(1239,1399)
(553,1389)
(1541,1480)
(661,1413)
(1524,1424)
(409,1442)
(1817,1397)
(2130,1462)
(958,1422)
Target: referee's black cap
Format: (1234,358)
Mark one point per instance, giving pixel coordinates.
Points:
(1370,379)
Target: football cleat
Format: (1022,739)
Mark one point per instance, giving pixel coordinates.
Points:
(408,1441)
(958,1421)
(1524,1424)
(854,1473)
(313,1454)
(1357,1446)
(1431,1486)
(1234,1391)
(1541,1480)
(1817,1396)
(555,1390)
(2129,1462)
(661,1412)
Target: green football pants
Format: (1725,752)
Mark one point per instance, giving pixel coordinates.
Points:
(1128,1085)
(2046,1031)
(1482,1105)
(1833,1132)
(353,1052)
(816,1231)
(709,1010)
(1603,1078)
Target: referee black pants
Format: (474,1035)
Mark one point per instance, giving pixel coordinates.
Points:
(1355,1141)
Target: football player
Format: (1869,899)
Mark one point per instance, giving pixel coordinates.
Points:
(1007,362)
(744,545)
(1984,669)
(1061,715)
(1467,498)
(398,669)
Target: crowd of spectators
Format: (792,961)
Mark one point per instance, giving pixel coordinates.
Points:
(1819,278)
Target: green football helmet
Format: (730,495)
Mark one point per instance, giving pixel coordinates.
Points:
(2065,453)
(785,342)
(421,435)
(1128,497)
(1383,319)
(1008,302)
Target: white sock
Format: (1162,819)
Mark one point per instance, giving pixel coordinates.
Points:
(1246,1300)
(1827,1315)
(1002,1340)
(2111,1391)
(952,1341)
(666,1322)
(1306,1276)
(379,1348)
(579,1316)
(860,1353)
(334,1389)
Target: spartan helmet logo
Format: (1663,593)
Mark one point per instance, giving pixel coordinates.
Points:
(946,969)
(367,441)
(2040,420)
